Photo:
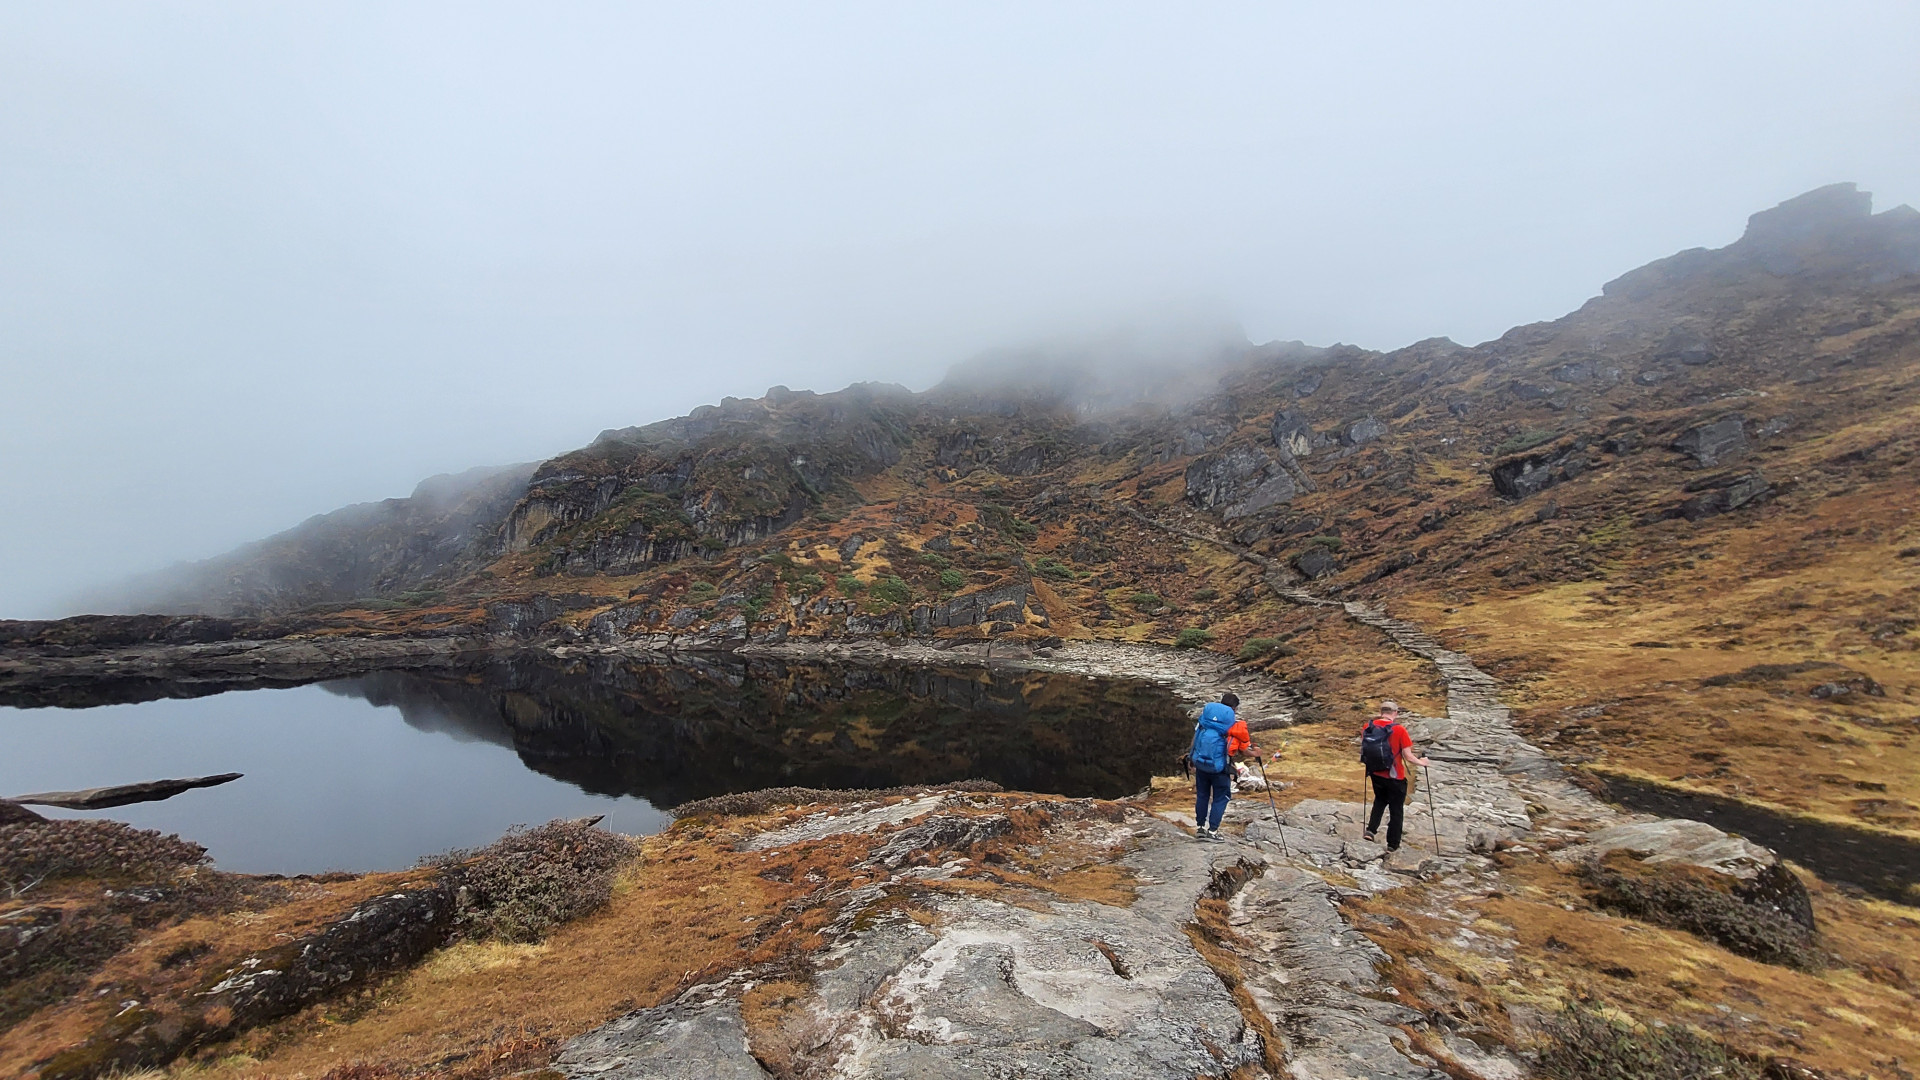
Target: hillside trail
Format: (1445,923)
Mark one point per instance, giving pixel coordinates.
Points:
(1488,788)
(1049,986)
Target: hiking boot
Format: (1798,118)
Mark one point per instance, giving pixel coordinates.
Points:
(1211,836)
(1367,836)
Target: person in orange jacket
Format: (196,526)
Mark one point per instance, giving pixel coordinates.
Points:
(1218,734)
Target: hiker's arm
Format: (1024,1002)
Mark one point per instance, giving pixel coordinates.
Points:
(1410,757)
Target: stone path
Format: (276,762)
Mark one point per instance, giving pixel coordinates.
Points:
(1055,988)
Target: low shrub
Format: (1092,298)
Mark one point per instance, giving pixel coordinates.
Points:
(1331,543)
(1701,902)
(1051,568)
(850,584)
(952,580)
(1588,1045)
(1526,440)
(1206,593)
(531,880)
(892,590)
(1192,638)
(1255,648)
(935,560)
(1146,601)
(809,583)
(702,590)
(56,849)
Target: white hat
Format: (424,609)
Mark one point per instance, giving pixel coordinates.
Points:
(1389,705)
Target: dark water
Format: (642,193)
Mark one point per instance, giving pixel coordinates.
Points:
(374,771)
(1886,867)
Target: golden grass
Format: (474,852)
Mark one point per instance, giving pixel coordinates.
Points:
(1813,588)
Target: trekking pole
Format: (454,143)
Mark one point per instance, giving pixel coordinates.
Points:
(1279,828)
(1433,816)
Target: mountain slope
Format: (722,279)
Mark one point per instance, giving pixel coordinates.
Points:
(1677,521)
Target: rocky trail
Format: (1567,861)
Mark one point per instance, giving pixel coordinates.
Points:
(960,983)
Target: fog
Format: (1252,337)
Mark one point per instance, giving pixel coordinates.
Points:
(258,261)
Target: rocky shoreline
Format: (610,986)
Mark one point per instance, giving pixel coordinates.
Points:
(67,675)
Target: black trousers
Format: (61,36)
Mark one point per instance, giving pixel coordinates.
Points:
(1388,796)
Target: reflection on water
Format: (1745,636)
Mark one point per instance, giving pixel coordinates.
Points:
(1885,866)
(670,733)
(333,782)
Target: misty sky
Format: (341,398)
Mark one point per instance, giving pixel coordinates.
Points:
(261,260)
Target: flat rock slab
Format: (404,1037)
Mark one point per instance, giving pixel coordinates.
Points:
(843,822)
(1077,990)
(1319,985)
(1043,988)
(687,1040)
(1677,841)
(101,798)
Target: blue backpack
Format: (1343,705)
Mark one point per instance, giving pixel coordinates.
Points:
(1209,753)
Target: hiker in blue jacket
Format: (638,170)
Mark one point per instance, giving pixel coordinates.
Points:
(1217,736)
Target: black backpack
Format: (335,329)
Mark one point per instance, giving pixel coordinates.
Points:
(1376,748)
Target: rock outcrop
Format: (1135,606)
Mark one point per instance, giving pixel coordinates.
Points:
(1712,443)
(1239,481)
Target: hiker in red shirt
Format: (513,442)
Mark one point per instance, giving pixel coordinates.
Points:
(1387,750)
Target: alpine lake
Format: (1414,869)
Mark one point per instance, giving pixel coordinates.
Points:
(376,771)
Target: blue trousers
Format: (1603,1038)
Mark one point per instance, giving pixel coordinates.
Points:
(1214,787)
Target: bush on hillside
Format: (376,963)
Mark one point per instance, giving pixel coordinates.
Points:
(1192,638)
(1257,647)
(1526,440)
(1588,1045)
(892,590)
(1053,569)
(33,851)
(531,880)
(1701,902)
